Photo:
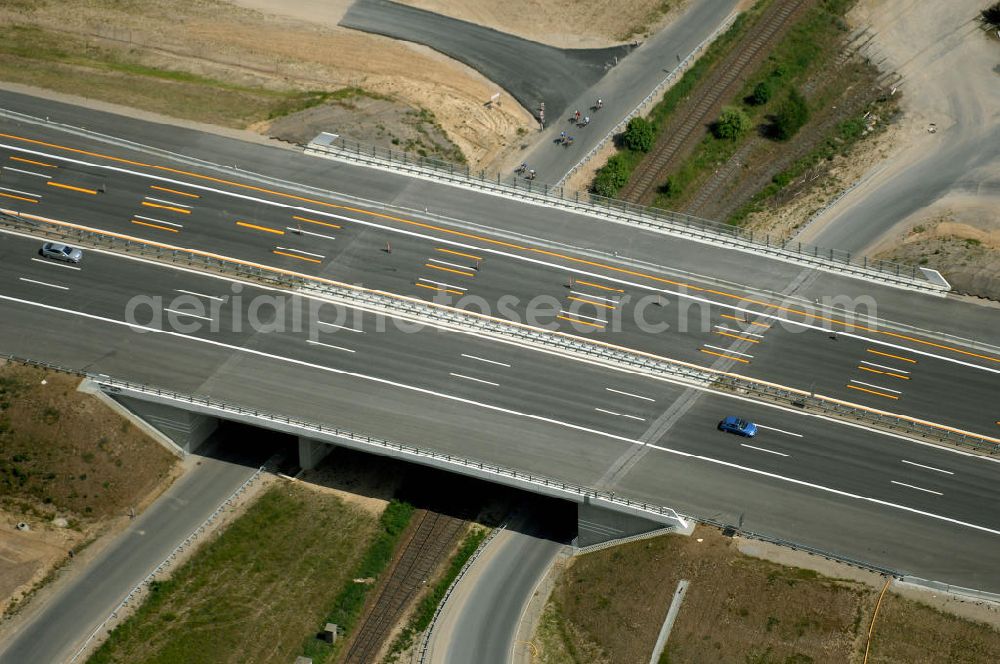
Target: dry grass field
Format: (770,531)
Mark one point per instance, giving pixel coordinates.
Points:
(608,607)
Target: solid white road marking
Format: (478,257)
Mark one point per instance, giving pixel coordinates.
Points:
(68,267)
(21,170)
(538,418)
(918,488)
(726,350)
(209,297)
(455,265)
(920,465)
(573,313)
(299,251)
(483,359)
(340,327)
(729,329)
(320,343)
(186,313)
(595,297)
(789,433)
(629,394)
(18,191)
(157,221)
(478,380)
(611,412)
(450,242)
(442,284)
(43,283)
(165,202)
(877,387)
(295,229)
(761,449)
(882,366)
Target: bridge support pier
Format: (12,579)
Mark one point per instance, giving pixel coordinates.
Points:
(311,452)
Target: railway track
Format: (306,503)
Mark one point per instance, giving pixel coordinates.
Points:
(432,538)
(702,107)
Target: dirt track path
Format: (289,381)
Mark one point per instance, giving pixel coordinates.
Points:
(691,119)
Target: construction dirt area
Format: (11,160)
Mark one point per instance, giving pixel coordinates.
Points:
(748,601)
(71,470)
(247,63)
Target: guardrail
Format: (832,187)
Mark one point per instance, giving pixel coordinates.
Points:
(648,218)
(567,344)
(657,89)
(166,561)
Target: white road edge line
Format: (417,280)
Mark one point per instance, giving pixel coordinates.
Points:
(483,359)
(877,387)
(920,465)
(210,297)
(320,343)
(478,380)
(68,267)
(541,418)
(761,449)
(186,313)
(629,394)
(43,283)
(789,433)
(918,488)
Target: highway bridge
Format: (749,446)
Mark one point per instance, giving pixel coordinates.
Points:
(487,328)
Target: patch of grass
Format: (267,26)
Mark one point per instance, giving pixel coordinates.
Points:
(65,63)
(350,600)
(251,592)
(421,618)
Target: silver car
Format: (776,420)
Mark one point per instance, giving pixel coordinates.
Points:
(62,252)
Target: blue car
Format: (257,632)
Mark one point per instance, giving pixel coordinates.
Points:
(739,426)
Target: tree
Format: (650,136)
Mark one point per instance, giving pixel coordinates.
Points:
(793,113)
(732,123)
(638,135)
(761,94)
(611,177)
(991,15)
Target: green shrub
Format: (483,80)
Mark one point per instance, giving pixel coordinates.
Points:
(791,116)
(611,177)
(761,94)
(638,135)
(732,123)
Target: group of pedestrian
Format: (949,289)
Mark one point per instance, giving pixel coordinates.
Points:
(528,173)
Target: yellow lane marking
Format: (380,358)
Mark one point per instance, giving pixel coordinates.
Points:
(736,336)
(313,221)
(881,394)
(32,161)
(499,243)
(260,228)
(590,283)
(92,192)
(301,258)
(162,228)
(596,304)
(448,269)
(582,322)
(174,247)
(884,373)
(443,290)
(459,253)
(166,207)
(895,357)
(19,198)
(728,357)
(174,191)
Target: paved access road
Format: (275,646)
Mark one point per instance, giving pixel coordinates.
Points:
(729,327)
(75,610)
(817,481)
